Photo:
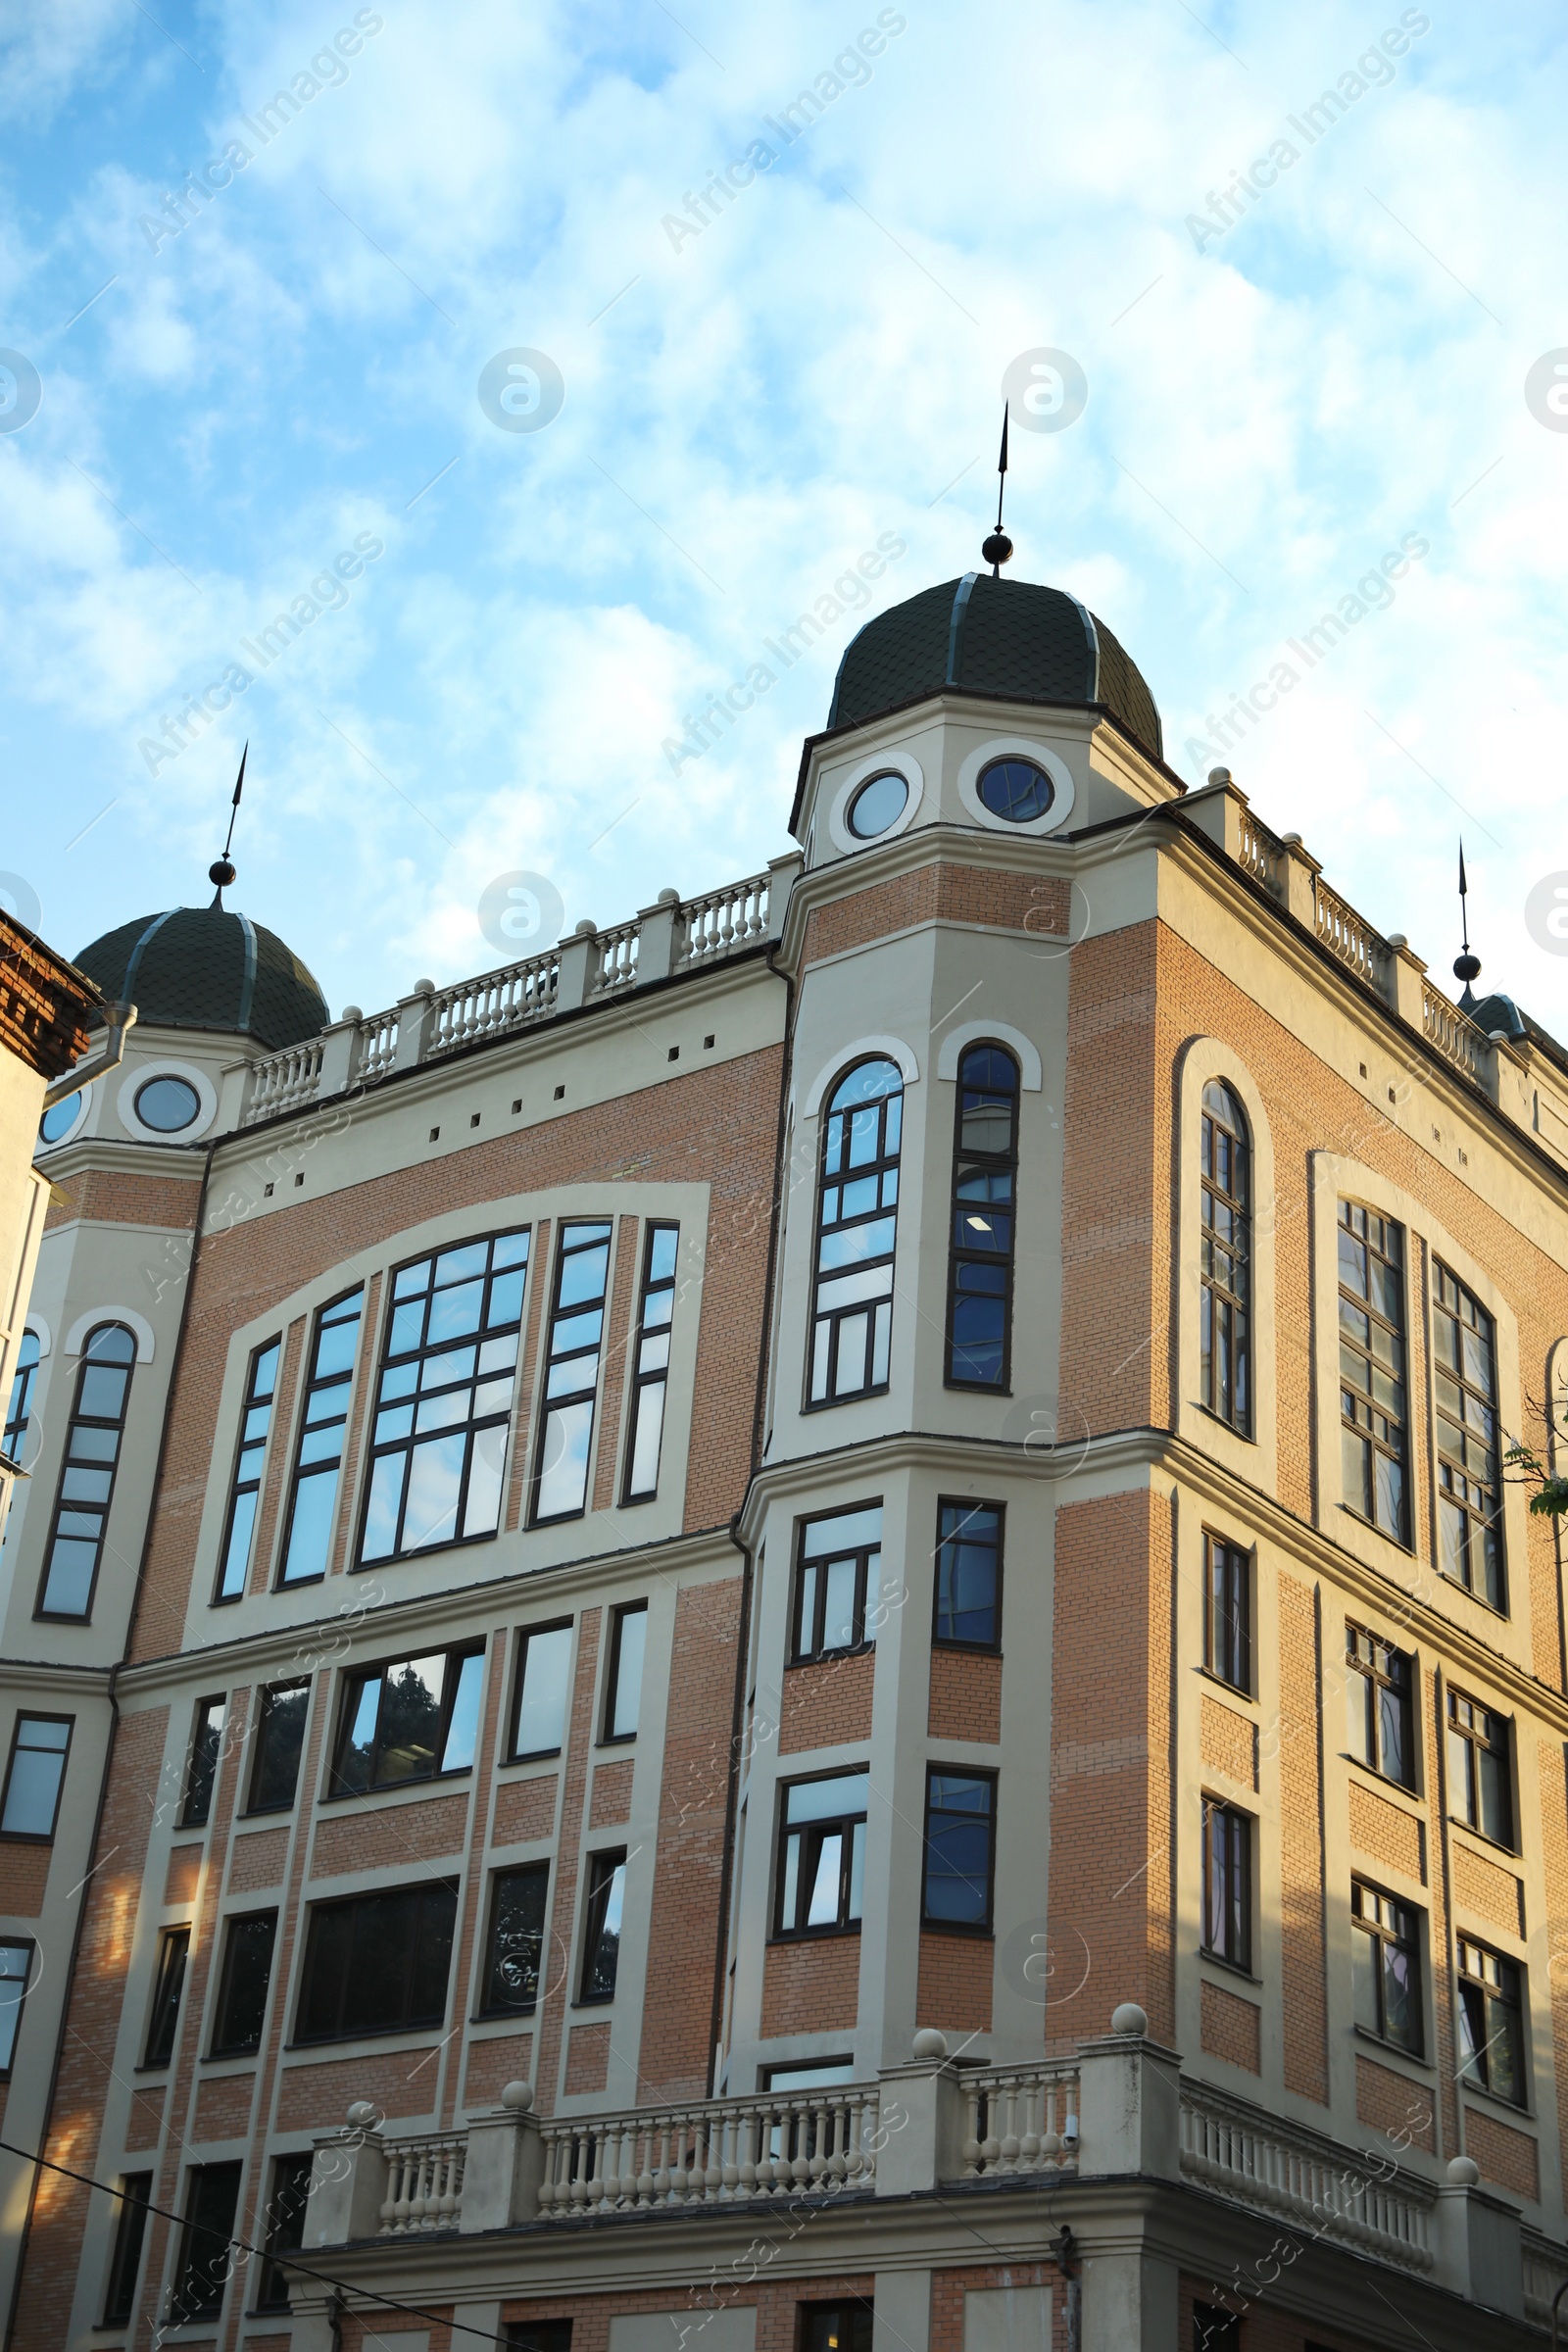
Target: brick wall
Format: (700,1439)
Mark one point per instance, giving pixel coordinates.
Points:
(587,2060)
(524,1810)
(1503,2154)
(955,1982)
(1483,1886)
(611,1803)
(810,1987)
(113,1196)
(1386,1833)
(965,1696)
(949,2287)
(24,1876)
(1303,1926)
(426,1830)
(1232,2028)
(1228,1741)
(258,1861)
(1395,2104)
(826,1705)
(937,893)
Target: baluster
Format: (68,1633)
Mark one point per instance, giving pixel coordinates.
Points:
(583,2146)
(1049,2138)
(971,2136)
(991,2145)
(1010,2142)
(747,2175)
(661,2169)
(645,2169)
(712,2128)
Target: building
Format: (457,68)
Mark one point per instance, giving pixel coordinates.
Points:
(808,1619)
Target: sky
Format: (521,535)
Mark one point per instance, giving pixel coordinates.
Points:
(540,365)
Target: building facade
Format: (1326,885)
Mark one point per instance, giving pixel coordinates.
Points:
(809,1617)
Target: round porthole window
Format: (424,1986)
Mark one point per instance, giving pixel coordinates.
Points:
(59,1119)
(1015,790)
(880,803)
(168,1104)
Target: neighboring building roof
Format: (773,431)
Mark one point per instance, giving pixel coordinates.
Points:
(1008,638)
(203,967)
(45,1003)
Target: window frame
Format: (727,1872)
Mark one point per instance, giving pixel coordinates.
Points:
(609,1737)
(1476,1743)
(216,2047)
(241,1483)
(1379,1680)
(352,1683)
(126,2250)
(1517,2003)
(972,1164)
(310,1382)
(174,1960)
(182,2313)
(1226,1624)
(1241,1962)
(846,1923)
(27,1715)
(1220,1297)
(982,1930)
(421,1888)
(1366,1432)
(490,1960)
(831,1319)
(599,1890)
(200,1718)
(545,1406)
(268,1696)
(42,1613)
(962,1504)
(278,2215)
(29,1945)
(1380,1935)
(863,1555)
(18,1399)
(651,1288)
(1448,1496)
(527,1635)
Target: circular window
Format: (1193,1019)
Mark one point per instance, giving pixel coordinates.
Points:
(168,1104)
(1015,790)
(880,803)
(59,1119)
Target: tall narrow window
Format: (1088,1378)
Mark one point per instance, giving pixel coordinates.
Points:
(1491,2028)
(36,1776)
(821,1874)
(87,1475)
(279,1740)
(284,2228)
(840,1565)
(125,2263)
(444,1402)
(1378,1701)
(624,1686)
(15,1966)
(516,1940)
(201,1770)
(212,2197)
(1386,1967)
(168,1986)
(242,1992)
(961,1839)
(1227,1885)
(1372,1406)
(1469,1496)
(543,1672)
(324,1432)
(1227,1612)
(968,1579)
(651,1377)
(1480,1781)
(851,1323)
(1225,1333)
(260,1388)
(571,1375)
(985,1167)
(408,1721)
(19,1407)
(601,1947)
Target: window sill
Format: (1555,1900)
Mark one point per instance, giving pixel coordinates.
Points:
(1394,2049)
(1494,1844)
(267,1812)
(977,1388)
(619,1739)
(238,2059)
(1385,1780)
(831,1657)
(1396,1542)
(965,1650)
(1481,1602)
(797,1936)
(1231,1690)
(827,1404)
(426,1551)
(1243,1437)
(397,1789)
(1495,2098)
(594,2001)
(1232,1968)
(377,2034)
(536,1756)
(27,1837)
(503,2017)
(966,1931)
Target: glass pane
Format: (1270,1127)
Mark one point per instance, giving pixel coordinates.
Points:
(410,1715)
(31,1796)
(334,1348)
(461,1264)
(846,1531)
(434,1475)
(822,1908)
(644,1478)
(250,1969)
(516,1936)
(237,1554)
(563,1469)
(277,1762)
(103,1391)
(463,1725)
(481,1512)
(629,1674)
(358,1738)
(68,1588)
(432,1955)
(1364,1962)
(661,1252)
(310,1528)
(381,1513)
(542,1708)
(454,1314)
(843,1793)
(1391,1726)
(1401,2003)
(506,1300)
(583,1276)
(850,1369)
(838,1628)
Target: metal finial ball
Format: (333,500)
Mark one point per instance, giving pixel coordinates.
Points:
(1466,967)
(222,871)
(997,549)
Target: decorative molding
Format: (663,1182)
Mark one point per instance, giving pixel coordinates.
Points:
(76,1337)
(1030,1070)
(861,1048)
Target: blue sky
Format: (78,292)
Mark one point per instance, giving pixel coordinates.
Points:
(1280,394)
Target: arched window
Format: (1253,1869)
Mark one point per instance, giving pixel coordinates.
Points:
(87,1474)
(19,1407)
(985,1163)
(858,1214)
(1226,1377)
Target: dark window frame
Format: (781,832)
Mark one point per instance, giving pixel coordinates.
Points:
(266,1701)
(652,1292)
(599,1885)
(1225,1264)
(246,1478)
(831,1319)
(492,1961)
(981,1929)
(217,2047)
(963,1507)
(1238,1926)
(1476,2073)
(1372,1421)
(182,2309)
(609,1737)
(600,1233)
(17,1943)
(1462,1727)
(525,1636)
(312,1382)
(1454,1462)
(19,1402)
(115,1425)
(800,1654)
(1380,1675)
(283,2231)
(970,1165)
(421,1888)
(162,2037)
(812,1834)
(126,2248)
(200,1724)
(351,1687)
(1228,1577)
(1405,1936)
(29,1715)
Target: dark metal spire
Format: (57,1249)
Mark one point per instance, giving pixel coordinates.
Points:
(1466,966)
(222,869)
(999,547)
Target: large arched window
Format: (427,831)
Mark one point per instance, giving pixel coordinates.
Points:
(985,1163)
(1226,1375)
(858,1214)
(87,1474)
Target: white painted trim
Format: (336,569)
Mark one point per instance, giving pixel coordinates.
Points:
(136,1078)
(899,763)
(1022,747)
(1030,1070)
(861,1048)
(76,1336)
(69,1133)
(40,1331)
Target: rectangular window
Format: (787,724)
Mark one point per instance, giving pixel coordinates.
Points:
(443,1406)
(516,1940)
(279,1740)
(1372,1372)
(968,1582)
(960,1840)
(858,1214)
(125,2263)
(1217,2330)
(377,1963)
(628,1641)
(539,2335)
(1225,1355)
(15,1966)
(168,1986)
(1386,1967)
(1227,1885)
(836,2327)
(1227,1612)
(650,1376)
(1480,1781)
(1378,1706)
(212,2197)
(36,1776)
(544,1684)
(324,1434)
(1491,2032)
(242,1992)
(601,1944)
(19,1408)
(200,1770)
(284,2228)
(572,1372)
(261,1388)
(408,1721)
(840,1563)
(1469,1494)
(822,1871)
(87,1475)
(981,1242)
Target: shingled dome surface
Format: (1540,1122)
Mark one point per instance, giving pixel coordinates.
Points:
(1010,639)
(202,967)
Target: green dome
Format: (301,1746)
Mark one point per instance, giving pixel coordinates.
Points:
(202,967)
(1008,639)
